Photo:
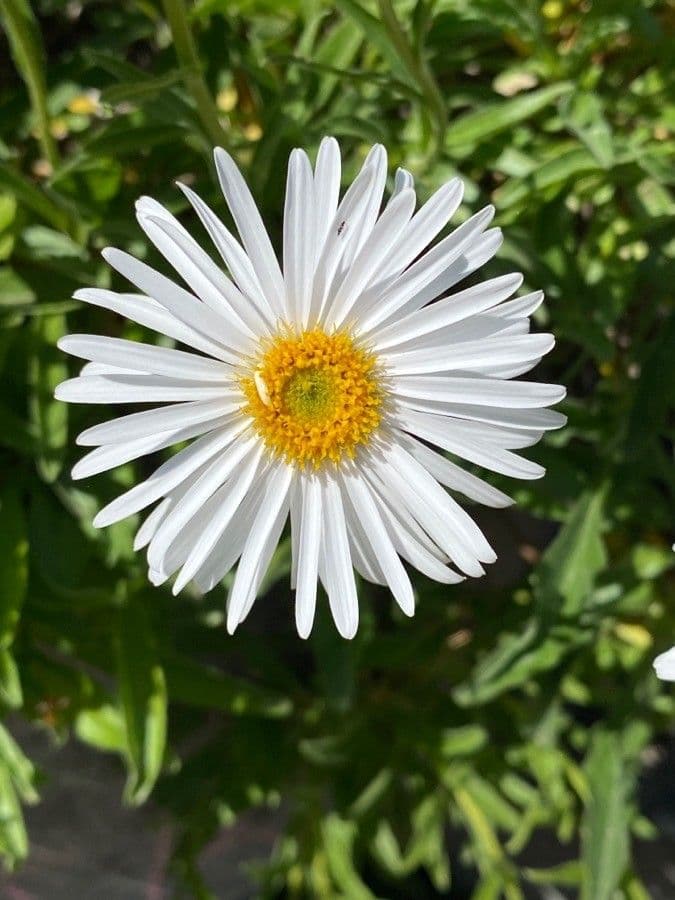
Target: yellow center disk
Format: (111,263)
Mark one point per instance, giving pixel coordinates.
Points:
(314,397)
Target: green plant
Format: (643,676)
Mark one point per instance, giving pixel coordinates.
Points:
(506,707)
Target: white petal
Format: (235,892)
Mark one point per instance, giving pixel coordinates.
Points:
(326,190)
(402,180)
(233,254)
(151,421)
(454,477)
(309,544)
(337,564)
(199,492)
(475,328)
(521,307)
(99,368)
(151,523)
(228,549)
(467,543)
(423,228)
(273,505)
(406,541)
(426,270)
(495,435)
(204,278)
(480,251)
(136,389)
(389,498)
(147,358)
(183,305)
(471,355)
(227,500)
(169,475)
(349,213)
(528,419)
(363,558)
(447,311)
(251,229)
(150,314)
(112,455)
(378,538)
(299,235)
(664,665)
(434,429)
(511,371)
(375,250)
(377,160)
(481,391)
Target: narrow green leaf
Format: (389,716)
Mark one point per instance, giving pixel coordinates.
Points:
(462,741)
(339,838)
(20,768)
(605,838)
(13,837)
(566,572)
(563,167)
(376,34)
(495,117)
(205,686)
(10,684)
(13,563)
(49,416)
(584,115)
(103,728)
(143,696)
(42,201)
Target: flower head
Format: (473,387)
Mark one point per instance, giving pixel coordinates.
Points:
(315,389)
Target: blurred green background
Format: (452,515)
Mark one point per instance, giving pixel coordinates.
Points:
(427,757)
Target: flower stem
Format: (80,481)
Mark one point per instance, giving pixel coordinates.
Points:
(25,42)
(186,51)
(418,69)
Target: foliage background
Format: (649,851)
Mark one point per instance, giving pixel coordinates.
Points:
(508,708)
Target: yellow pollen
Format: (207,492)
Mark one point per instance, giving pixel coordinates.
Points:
(315,397)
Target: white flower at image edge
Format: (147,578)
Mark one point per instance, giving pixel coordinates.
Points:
(664,665)
(315,389)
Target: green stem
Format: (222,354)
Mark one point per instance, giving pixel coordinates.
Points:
(25,42)
(186,51)
(419,71)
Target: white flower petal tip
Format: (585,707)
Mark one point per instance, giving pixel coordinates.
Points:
(664,665)
(364,296)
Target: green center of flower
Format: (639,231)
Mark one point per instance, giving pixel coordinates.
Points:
(310,395)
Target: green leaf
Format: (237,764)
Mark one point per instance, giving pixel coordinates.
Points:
(103,728)
(10,684)
(20,768)
(496,117)
(605,838)
(566,572)
(140,90)
(45,203)
(13,837)
(463,741)
(49,416)
(565,166)
(205,686)
(143,696)
(13,563)
(339,837)
(46,243)
(584,115)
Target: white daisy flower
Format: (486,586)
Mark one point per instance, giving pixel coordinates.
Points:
(314,389)
(664,665)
